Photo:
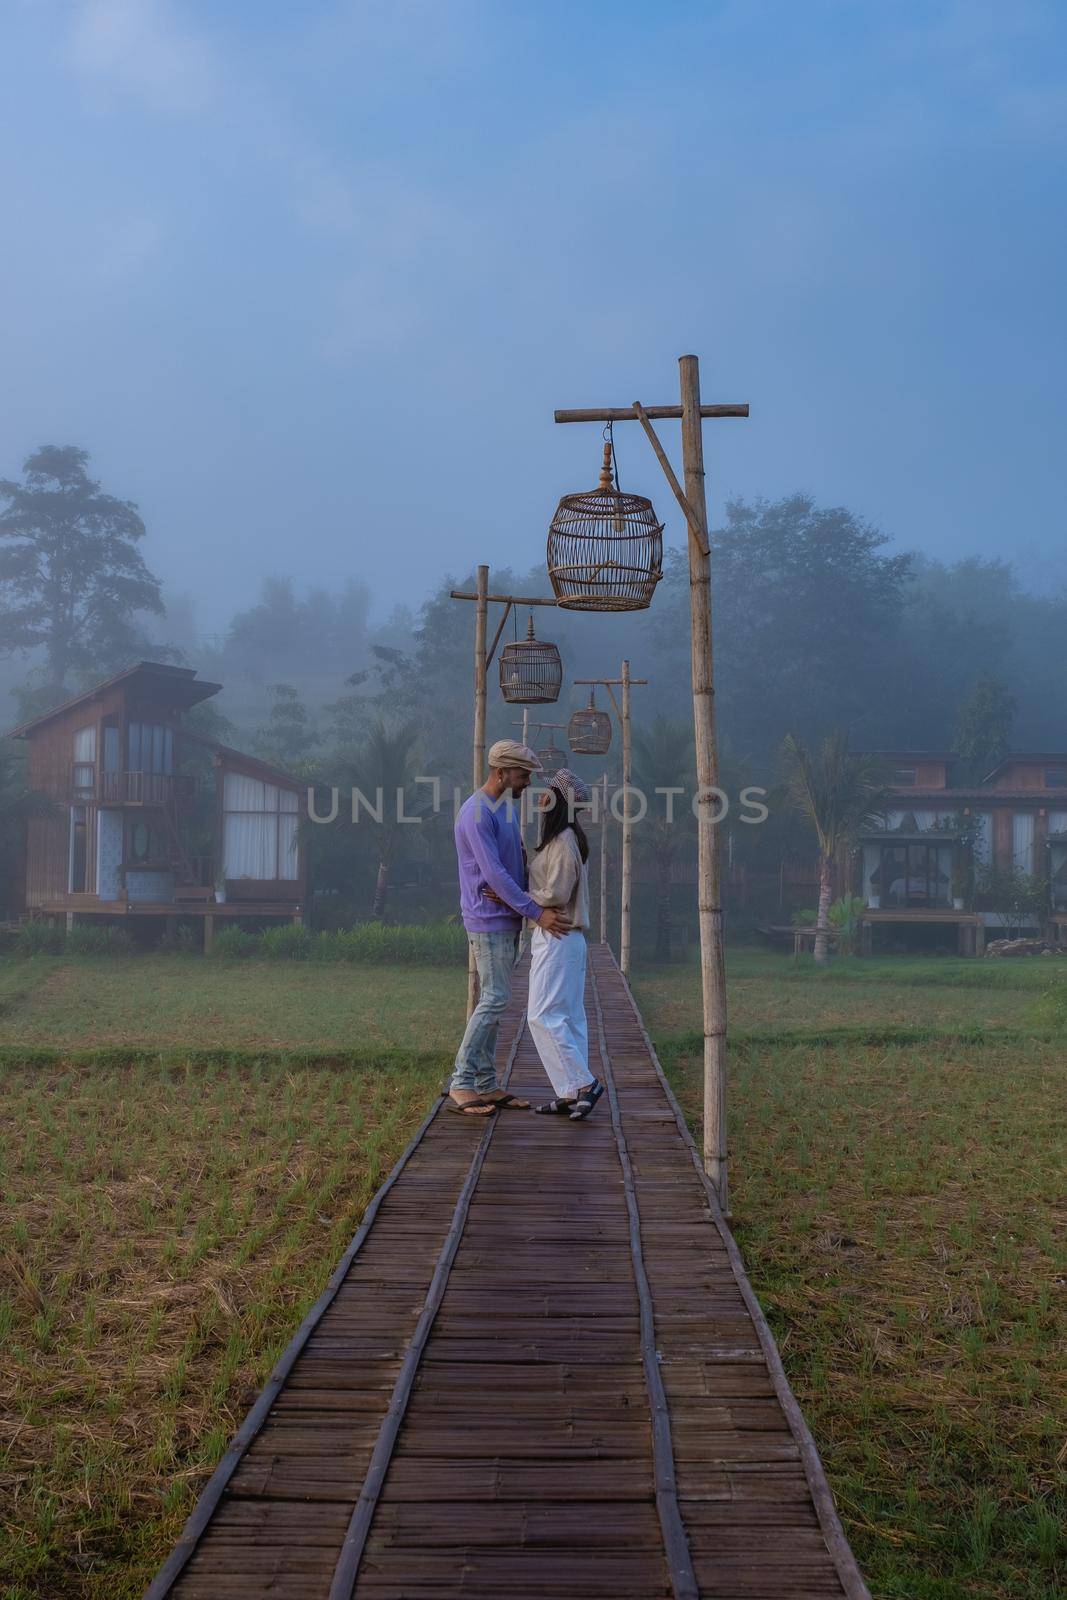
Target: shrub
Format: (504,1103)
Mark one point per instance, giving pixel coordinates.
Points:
(1049,1010)
(99,942)
(232,943)
(291,942)
(182,943)
(38,938)
(424,944)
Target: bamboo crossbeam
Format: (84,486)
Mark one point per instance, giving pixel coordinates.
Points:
(657,413)
(605,682)
(505,599)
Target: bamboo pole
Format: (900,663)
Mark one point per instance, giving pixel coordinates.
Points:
(481,611)
(604,865)
(712,965)
(627,826)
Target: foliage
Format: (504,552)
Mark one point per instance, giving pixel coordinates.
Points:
(93,941)
(663,757)
(290,942)
(233,944)
(984,722)
(71,576)
(38,938)
(837,793)
(1021,897)
(288,736)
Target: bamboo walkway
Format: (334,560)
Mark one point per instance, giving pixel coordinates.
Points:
(538,1373)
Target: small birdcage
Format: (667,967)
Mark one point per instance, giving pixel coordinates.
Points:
(531,672)
(605,548)
(551,758)
(589,730)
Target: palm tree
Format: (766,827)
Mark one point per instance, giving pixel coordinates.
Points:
(384,770)
(838,793)
(663,755)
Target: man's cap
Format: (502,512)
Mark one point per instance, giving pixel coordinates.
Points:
(571,787)
(506,753)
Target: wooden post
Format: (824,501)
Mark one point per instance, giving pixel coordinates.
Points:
(604,865)
(481,612)
(627,827)
(712,964)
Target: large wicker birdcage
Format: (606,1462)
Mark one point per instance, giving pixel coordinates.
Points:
(531,672)
(589,730)
(605,548)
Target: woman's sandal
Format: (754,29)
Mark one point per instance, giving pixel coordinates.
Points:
(556,1108)
(586,1101)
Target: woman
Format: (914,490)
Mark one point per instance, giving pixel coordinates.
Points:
(556,1010)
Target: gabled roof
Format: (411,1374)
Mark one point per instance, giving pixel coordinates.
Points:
(177,681)
(1053,758)
(228,756)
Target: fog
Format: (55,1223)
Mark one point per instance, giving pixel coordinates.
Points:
(308,285)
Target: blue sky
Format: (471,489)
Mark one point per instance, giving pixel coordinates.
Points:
(308,281)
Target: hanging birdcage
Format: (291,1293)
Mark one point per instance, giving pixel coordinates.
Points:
(605,548)
(551,759)
(531,672)
(589,730)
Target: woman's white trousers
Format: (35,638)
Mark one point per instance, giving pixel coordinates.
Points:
(556,1010)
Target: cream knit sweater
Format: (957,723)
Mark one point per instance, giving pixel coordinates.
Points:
(559,878)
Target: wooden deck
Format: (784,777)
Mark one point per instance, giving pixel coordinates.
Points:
(538,1373)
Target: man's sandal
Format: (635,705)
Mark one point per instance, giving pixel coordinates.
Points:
(586,1100)
(470,1108)
(503,1100)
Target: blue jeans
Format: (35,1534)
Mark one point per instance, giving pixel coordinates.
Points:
(496,955)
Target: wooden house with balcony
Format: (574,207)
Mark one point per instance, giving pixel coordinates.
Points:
(923,864)
(115,762)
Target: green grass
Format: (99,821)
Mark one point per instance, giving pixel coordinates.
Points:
(173,1001)
(162,1233)
(899,1206)
(169,1209)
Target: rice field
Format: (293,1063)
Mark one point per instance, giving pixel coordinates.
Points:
(187,1146)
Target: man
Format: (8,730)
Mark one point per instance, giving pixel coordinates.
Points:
(492,862)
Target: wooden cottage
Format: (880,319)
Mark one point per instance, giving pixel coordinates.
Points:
(111,759)
(923,866)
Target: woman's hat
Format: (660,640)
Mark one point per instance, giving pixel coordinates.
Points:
(574,791)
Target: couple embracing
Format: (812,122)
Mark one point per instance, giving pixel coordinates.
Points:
(498,891)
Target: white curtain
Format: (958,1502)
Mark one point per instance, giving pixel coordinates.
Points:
(85,743)
(259,829)
(1057,822)
(983,838)
(1022,840)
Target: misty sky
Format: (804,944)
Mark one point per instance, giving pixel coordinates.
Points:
(308,281)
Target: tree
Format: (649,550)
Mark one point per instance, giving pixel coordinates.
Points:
(71,576)
(384,772)
(288,736)
(983,727)
(663,753)
(837,792)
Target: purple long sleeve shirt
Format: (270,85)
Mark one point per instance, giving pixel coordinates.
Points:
(489,847)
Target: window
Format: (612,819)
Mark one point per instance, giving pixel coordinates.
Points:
(259,826)
(913,875)
(1056,777)
(151,747)
(144,843)
(85,761)
(1022,841)
(903,777)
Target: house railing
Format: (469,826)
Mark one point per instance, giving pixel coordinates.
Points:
(131,788)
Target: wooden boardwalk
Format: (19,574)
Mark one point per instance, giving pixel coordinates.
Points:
(538,1373)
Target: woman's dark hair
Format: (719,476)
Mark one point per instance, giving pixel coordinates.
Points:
(555,819)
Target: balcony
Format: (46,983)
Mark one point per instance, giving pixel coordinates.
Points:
(172,790)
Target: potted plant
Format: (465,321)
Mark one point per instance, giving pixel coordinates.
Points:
(220,887)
